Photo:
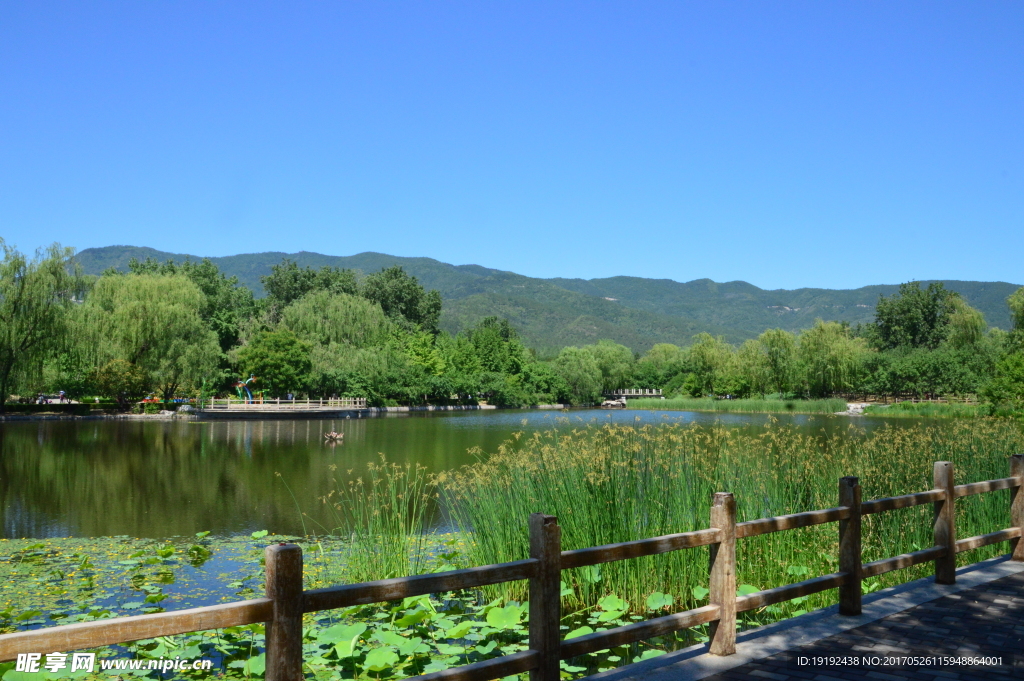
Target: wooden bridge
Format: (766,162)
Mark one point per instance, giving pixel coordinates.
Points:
(276,407)
(635,393)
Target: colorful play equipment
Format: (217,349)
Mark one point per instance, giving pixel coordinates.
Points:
(242,388)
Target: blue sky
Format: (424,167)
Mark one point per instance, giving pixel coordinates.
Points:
(787,144)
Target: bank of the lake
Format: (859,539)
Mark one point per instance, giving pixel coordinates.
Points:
(743,406)
(947,410)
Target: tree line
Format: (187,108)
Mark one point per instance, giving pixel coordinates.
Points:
(177,330)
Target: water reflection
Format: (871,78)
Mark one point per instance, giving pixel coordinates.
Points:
(169,478)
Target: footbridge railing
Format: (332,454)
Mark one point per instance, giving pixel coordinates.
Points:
(286,601)
(278,404)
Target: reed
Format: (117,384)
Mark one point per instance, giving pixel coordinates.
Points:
(929,409)
(744,406)
(383,518)
(619,483)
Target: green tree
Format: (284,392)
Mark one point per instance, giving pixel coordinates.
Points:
(462,364)
(966,326)
(545,384)
(403,298)
(226,305)
(121,380)
(710,358)
(779,348)
(152,321)
(658,365)
(421,349)
(280,360)
(578,368)
(913,317)
(324,317)
(288,282)
(831,358)
(615,362)
(497,346)
(749,370)
(1016,303)
(35,297)
(1005,389)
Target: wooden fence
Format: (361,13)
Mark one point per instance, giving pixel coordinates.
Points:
(286,602)
(277,404)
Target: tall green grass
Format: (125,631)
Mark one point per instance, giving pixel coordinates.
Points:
(620,483)
(748,406)
(614,483)
(929,409)
(383,519)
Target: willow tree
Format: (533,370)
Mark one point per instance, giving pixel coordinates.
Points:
(615,362)
(334,325)
(966,325)
(779,348)
(831,358)
(154,323)
(580,371)
(659,364)
(322,318)
(1016,303)
(750,370)
(35,296)
(711,359)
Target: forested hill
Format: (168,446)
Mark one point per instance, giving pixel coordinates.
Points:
(553,313)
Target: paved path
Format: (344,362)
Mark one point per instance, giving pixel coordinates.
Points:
(982,615)
(986,621)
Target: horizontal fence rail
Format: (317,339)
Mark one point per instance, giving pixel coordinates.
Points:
(275,404)
(286,601)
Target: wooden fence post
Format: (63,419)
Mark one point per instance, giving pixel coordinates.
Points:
(546,595)
(284,630)
(1017,506)
(849,547)
(944,529)
(722,577)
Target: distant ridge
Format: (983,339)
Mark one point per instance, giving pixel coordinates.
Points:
(553,313)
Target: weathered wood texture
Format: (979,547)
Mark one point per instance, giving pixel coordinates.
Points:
(977,542)
(495,668)
(880,567)
(722,575)
(849,547)
(639,631)
(986,486)
(418,585)
(284,630)
(905,501)
(1017,506)
(752,528)
(545,596)
(69,637)
(636,549)
(944,528)
(790,591)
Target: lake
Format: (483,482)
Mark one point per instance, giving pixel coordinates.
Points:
(175,478)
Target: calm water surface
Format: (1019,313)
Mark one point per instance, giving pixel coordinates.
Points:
(172,478)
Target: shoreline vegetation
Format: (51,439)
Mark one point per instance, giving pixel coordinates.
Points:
(929,410)
(167,332)
(743,406)
(605,483)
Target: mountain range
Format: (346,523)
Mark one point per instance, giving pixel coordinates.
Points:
(553,313)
